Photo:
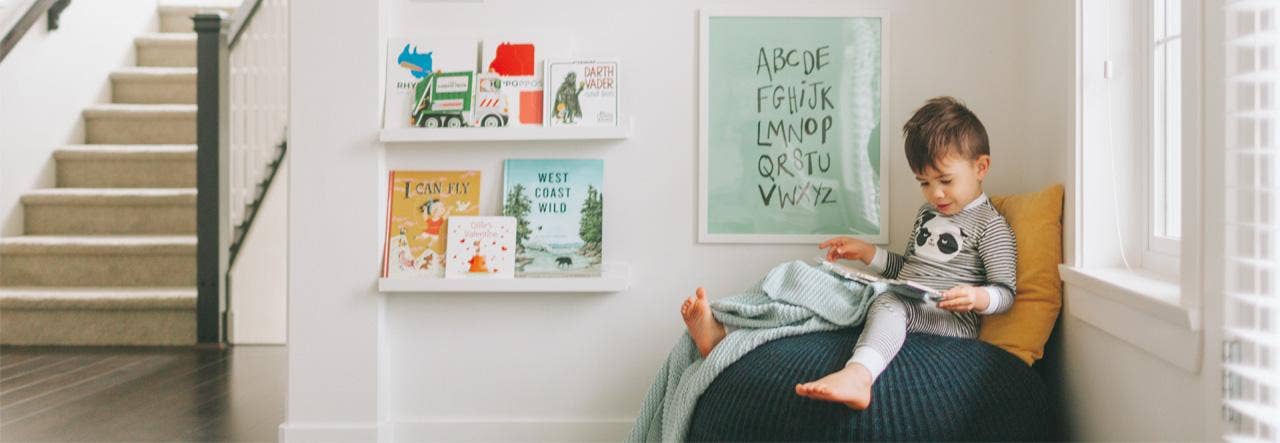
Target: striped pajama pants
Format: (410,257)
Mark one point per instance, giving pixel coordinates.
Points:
(891,317)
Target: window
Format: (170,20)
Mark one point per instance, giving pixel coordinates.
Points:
(1165,222)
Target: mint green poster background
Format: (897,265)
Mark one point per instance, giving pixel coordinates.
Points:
(799,184)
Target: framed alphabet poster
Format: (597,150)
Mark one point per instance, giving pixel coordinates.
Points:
(790,126)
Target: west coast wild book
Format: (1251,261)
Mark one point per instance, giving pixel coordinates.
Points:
(419,203)
(559,208)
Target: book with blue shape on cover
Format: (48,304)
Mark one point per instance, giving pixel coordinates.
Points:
(559,207)
(411,62)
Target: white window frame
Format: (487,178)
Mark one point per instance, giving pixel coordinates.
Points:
(1115,281)
(1161,253)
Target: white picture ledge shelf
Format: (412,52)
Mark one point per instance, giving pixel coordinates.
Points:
(412,135)
(614,278)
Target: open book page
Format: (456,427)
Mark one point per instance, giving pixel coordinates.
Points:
(909,289)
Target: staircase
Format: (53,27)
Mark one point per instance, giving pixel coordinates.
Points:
(108,256)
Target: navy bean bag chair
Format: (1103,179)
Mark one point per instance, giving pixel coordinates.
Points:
(936,389)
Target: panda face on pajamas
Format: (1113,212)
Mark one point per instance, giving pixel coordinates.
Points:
(974,247)
(939,239)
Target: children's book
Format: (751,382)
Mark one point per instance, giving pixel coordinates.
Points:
(909,289)
(410,64)
(518,64)
(559,208)
(582,92)
(481,247)
(418,205)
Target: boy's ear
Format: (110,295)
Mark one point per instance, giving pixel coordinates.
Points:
(983,163)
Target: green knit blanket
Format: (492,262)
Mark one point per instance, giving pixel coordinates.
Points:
(794,298)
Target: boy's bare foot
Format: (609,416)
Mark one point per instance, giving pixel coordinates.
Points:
(703,327)
(851,386)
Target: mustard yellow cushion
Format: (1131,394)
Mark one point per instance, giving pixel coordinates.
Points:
(1036,219)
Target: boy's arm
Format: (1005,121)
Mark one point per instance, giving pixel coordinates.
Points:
(889,263)
(998,250)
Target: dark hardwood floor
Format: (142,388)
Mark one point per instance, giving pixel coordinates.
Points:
(141,394)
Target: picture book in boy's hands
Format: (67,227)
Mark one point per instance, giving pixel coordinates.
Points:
(581,93)
(908,289)
(481,247)
(559,205)
(418,205)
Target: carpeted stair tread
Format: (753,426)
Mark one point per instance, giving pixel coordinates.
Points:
(167,39)
(45,298)
(98,245)
(140,111)
(155,73)
(111,196)
(126,152)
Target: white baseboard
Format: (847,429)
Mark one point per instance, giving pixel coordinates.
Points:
(332,432)
(458,430)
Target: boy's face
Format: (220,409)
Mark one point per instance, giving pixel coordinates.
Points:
(954,183)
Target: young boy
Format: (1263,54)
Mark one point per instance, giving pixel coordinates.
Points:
(959,245)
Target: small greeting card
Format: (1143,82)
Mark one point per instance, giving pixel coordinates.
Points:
(481,247)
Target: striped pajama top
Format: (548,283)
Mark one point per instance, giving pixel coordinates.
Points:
(974,247)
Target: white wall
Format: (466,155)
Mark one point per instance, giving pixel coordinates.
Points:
(575,367)
(334,327)
(48,79)
(259,286)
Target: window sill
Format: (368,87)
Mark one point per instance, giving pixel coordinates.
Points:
(1139,308)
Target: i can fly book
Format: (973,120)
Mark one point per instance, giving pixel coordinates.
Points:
(559,207)
(519,62)
(410,63)
(481,247)
(582,93)
(419,204)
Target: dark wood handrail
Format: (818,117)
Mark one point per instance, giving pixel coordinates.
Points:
(240,21)
(53,8)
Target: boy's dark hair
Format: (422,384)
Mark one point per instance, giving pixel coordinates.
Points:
(941,127)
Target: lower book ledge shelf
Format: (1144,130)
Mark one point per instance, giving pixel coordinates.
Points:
(616,277)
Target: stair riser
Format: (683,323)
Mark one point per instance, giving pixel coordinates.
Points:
(86,270)
(167,55)
(140,130)
(126,173)
(180,20)
(176,23)
(107,220)
(153,91)
(98,327)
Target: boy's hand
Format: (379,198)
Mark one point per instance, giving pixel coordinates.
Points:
(965,298)
(848,248)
